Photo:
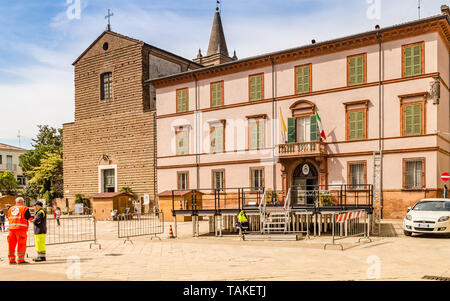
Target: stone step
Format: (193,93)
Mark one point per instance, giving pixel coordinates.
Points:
(273,237)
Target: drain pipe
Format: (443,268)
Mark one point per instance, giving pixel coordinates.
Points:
(274,164)
(197,143)
(380,115)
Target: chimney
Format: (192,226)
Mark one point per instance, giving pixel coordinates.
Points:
(445,10)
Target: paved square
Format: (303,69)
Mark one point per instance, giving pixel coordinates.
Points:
(228,258)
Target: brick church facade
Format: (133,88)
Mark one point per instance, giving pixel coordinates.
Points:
(110,144)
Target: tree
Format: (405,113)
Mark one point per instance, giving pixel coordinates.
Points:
(31,193)
(129,190)
(81,199)
(48,140)
(49,176)
(8,183)
(43,165)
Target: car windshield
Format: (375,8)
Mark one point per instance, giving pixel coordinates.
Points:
(432,206)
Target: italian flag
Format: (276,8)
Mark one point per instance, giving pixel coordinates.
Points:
(319,124)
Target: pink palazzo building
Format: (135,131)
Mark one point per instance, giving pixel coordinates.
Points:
(382,97)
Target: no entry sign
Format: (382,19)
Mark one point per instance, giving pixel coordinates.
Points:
(445,177)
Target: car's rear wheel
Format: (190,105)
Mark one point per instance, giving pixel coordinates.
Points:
(407,233)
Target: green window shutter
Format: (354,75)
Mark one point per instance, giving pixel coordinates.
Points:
(252,88)
(413,119)
(356,125)
(260,134)
(214,140)
(352,71)
(303,80)
(217,140)
(313,130)
(181,101)
(360,69)
(408,61)
(182,146)
(356,70)
(253,135)
(417,59)
(291,130)
(413,60)
(258,80)
(256,87)
(216,94)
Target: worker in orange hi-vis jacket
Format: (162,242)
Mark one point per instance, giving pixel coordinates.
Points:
(18,217)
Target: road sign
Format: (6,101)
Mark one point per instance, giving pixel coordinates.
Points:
(445,177)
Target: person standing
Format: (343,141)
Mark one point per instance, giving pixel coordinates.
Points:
(2,221)
(40,231)
(18,217)
(57,215)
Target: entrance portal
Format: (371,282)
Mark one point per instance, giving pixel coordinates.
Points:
(304,182)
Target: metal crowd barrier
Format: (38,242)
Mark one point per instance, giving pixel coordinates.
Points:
(66,230)
(347,224)
(140,225)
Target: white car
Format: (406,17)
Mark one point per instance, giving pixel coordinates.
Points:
(428,216)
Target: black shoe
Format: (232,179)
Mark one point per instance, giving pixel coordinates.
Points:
(39,259)
(12,262)
(23,262)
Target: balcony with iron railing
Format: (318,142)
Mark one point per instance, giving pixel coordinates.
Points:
(313,148)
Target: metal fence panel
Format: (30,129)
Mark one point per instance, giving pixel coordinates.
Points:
(347,224)
(67,230)
(140,225)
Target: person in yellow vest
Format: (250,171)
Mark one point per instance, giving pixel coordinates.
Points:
(40,231)
(18,218)
(242,221)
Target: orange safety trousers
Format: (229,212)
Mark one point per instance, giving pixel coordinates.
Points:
(17,238)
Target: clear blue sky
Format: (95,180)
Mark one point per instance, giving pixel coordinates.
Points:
(39,42)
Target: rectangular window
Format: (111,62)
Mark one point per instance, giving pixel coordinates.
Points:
(217,94)
(413,173)
(106,85)
(356,66)
(182,140)
(256,133)
(413,60)
(256,87)
(357,173)
(217,138)
(257,178)
(303,79)
(306,129)
(9,164)
(412,114)
(218,179)
(183,180)
(1,159)
(22,181)
(182,100)
(356,125)
(109,181)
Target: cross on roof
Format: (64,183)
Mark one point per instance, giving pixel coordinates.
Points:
(108,16)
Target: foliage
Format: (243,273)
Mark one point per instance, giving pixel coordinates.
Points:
(8,183)
(31,193)
(129,190)
(271,196)
(49,176)
(81,199)
(325,198)
(43,165)
(48,140)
